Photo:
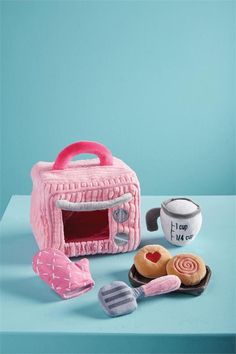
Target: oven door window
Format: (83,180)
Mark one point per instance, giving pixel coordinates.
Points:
(85,225)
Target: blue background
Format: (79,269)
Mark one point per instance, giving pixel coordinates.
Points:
(154,81)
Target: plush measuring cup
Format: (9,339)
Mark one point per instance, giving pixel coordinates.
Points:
(181,220)
(118,299)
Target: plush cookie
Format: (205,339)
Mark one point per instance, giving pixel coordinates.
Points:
(189,268)
(150,261)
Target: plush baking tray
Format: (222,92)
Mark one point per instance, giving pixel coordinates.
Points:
(136,279)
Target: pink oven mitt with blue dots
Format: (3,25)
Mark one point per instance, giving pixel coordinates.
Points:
(68,279)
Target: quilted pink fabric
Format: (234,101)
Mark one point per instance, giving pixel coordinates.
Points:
(68,279)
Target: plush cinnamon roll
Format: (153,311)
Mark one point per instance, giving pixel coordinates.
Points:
(189,268)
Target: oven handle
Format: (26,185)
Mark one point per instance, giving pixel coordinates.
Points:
(90,206)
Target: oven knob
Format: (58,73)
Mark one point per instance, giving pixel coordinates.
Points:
(120,215)
(121,238)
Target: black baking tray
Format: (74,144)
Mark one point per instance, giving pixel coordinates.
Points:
(136,279)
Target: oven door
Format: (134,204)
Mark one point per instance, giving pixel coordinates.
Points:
(88,221)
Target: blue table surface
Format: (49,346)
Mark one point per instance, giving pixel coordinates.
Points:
(28,305)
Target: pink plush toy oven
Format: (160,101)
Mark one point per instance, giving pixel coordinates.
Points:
(87,206)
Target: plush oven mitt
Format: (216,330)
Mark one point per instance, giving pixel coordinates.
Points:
(117,298)
(68,279)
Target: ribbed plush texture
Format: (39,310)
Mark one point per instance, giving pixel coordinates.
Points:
(162,285)
(81,147)
(83,181)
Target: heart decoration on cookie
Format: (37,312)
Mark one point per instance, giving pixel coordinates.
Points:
(150,261)
(155,261)
(153,257)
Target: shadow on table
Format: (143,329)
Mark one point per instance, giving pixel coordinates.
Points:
(91,310)
(17,249)
(95,311)
(31,288)
(120,275)
(158,240)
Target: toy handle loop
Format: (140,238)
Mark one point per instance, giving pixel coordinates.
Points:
(151,219)
(87,147)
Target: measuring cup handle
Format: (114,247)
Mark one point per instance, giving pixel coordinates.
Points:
(151,219)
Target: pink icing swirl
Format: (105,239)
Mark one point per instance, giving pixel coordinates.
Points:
(186,265)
